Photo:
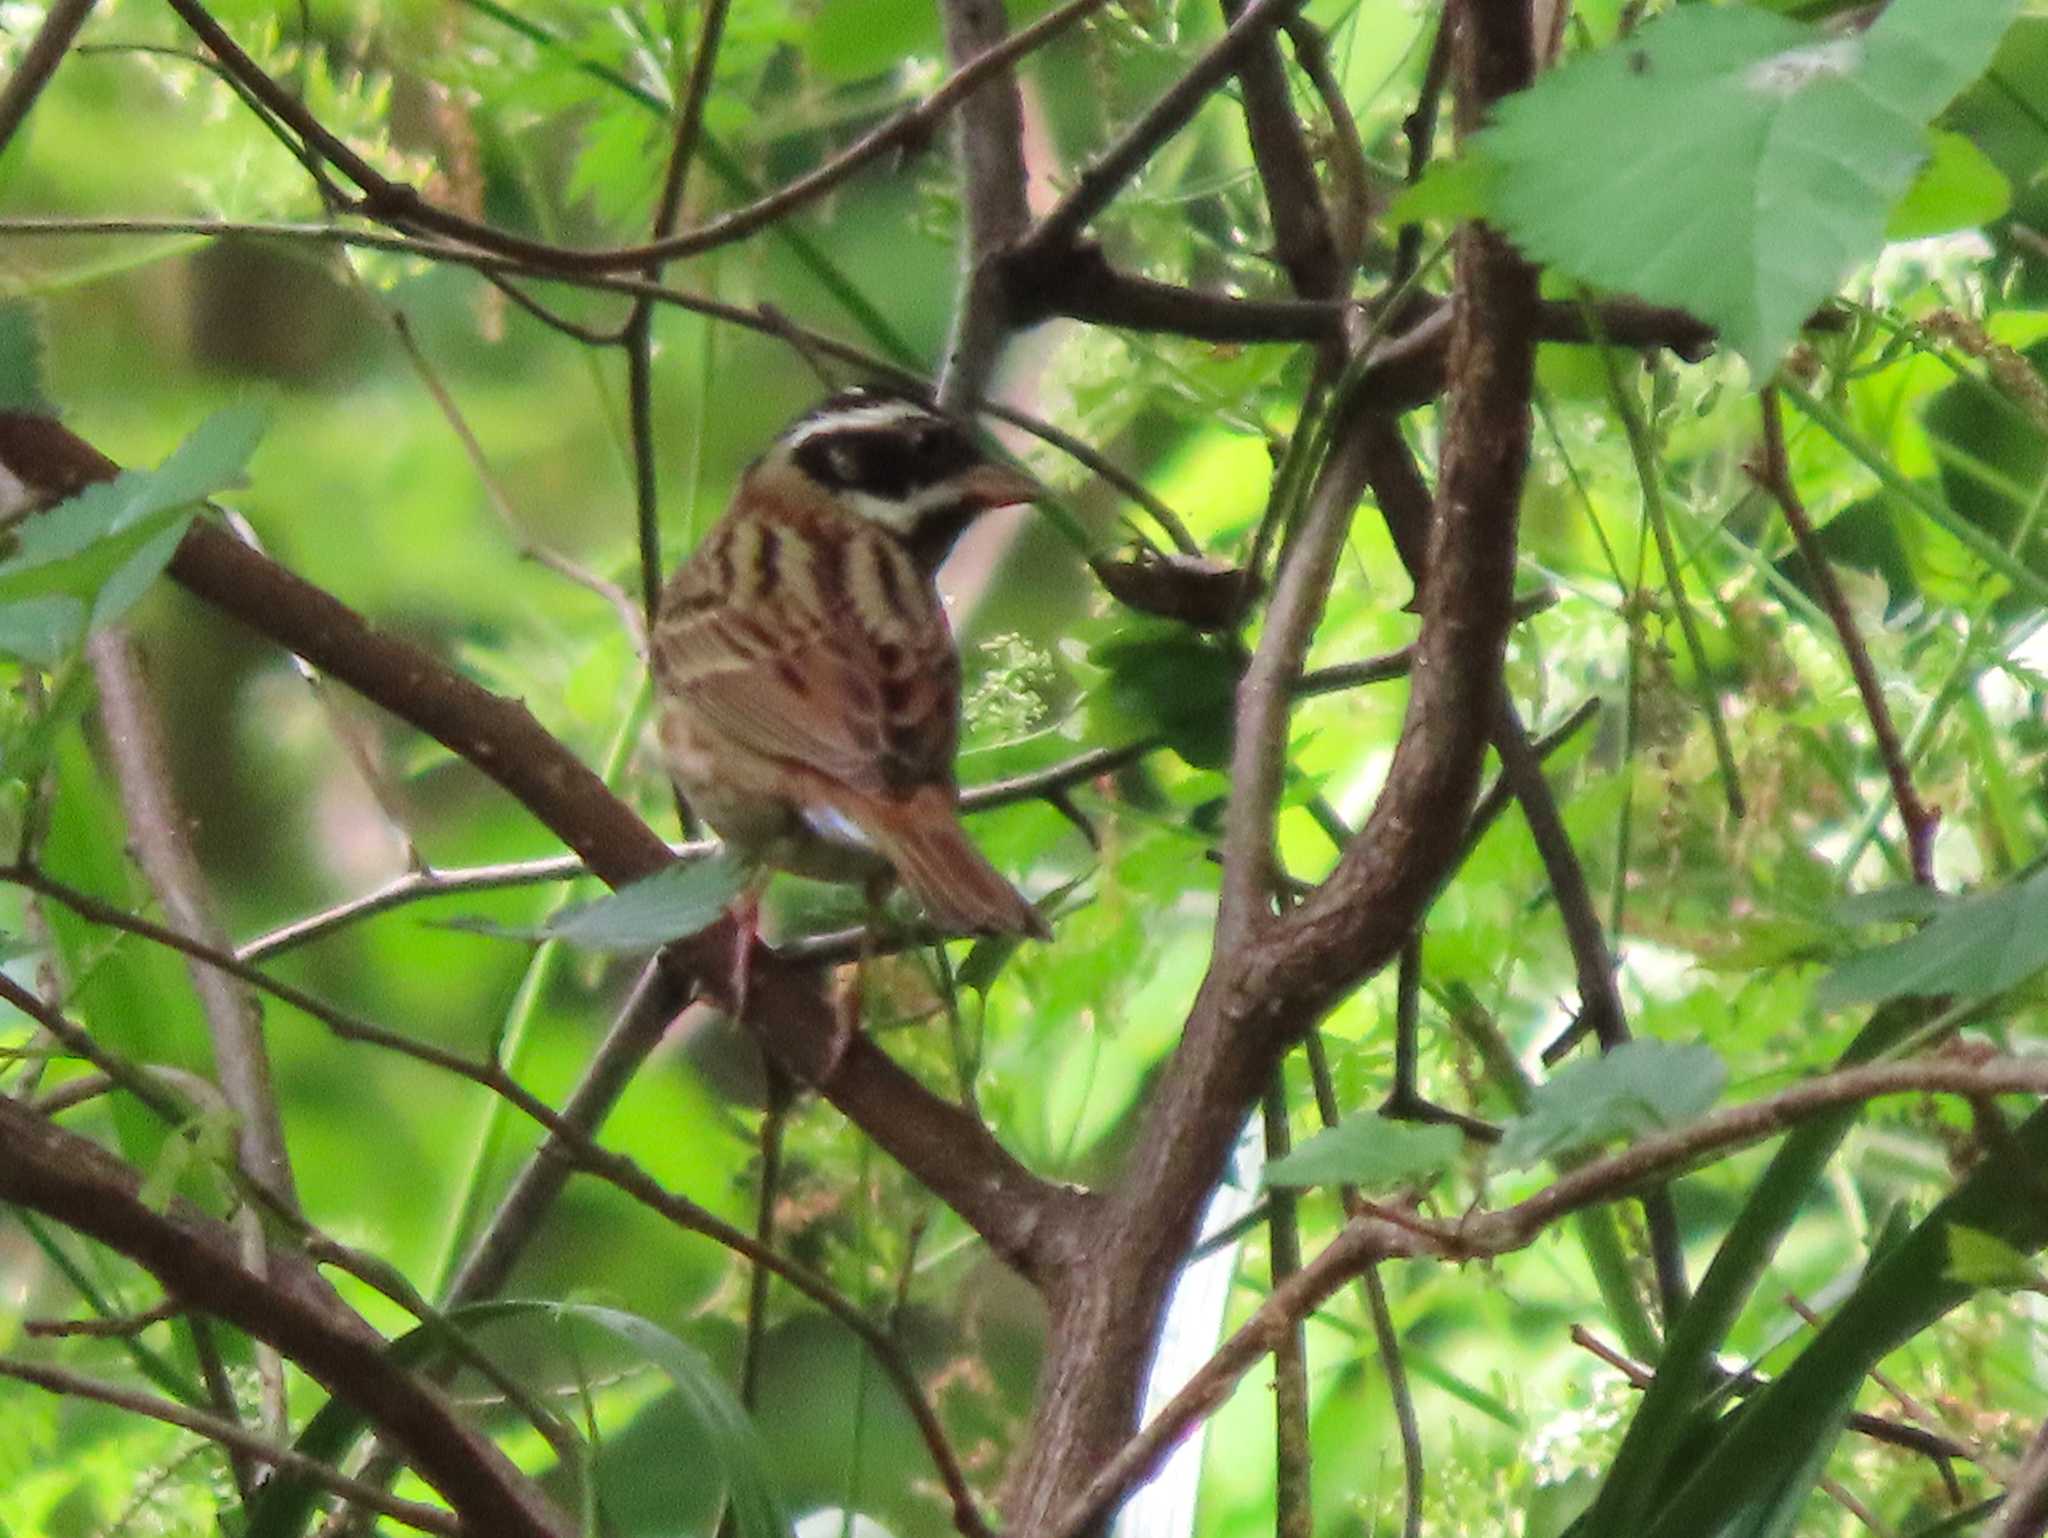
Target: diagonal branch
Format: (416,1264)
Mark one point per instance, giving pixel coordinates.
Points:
(1775,476)
(1103,180)
(398,203)
(39,62)
(75,1182)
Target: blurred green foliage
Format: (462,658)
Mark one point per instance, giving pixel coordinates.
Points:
(551,118)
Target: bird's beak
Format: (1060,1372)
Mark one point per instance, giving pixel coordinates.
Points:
(991,486)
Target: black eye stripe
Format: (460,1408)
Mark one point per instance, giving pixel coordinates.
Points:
(893,462)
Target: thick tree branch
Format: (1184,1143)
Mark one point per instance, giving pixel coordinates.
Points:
(1273,975)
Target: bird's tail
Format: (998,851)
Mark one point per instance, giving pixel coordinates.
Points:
(935,859)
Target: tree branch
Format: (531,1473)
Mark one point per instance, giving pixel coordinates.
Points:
(74,1181)
(39,61)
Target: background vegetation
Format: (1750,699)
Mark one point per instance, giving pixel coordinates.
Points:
(1817,446)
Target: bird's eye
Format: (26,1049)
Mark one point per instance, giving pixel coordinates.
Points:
(845,461)
(926,442)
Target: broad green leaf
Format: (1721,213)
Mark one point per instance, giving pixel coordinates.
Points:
(1978,1259)
(41,630)
(1974,948)
(1166,680)
(729,1436)
(1371,1152)
(1904,904)
(1958,189)
(85,562)
(676,901)
(1643,1086)
(1732,161)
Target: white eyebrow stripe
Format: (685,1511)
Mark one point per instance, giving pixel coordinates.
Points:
(883,414)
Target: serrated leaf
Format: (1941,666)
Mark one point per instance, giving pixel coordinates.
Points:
(675,901)
(1973,948)
(1370,1152)
(1958,189)
(1978,1259)
(1732,161)
(1640,1087)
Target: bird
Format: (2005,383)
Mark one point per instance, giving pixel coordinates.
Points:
(807,682)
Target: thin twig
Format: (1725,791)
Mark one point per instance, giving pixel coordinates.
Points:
(1293,1512)
(58,1380)
(1103,180)
(2024,1513)
(1775,476)
(637,335)
(397,203)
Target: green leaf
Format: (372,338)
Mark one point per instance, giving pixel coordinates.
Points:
(1450,190)
(1166,680)
(1371,1152)
(678,900)
(1978,1259)
(1958,189)
(1732,161)
(85,562)
(1643,1086)
(1903,904)
(729,1436)
(1973,948)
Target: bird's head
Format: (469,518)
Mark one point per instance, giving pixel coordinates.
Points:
(902,465)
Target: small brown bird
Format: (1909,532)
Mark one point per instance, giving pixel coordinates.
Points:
(808,683)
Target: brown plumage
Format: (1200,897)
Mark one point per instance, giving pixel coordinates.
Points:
(809,688)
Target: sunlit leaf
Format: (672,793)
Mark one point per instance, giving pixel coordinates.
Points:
(1370,1152)
(1973,948)
(1731,161)
(1639,1087)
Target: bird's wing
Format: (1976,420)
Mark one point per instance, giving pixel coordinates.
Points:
(830,656)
